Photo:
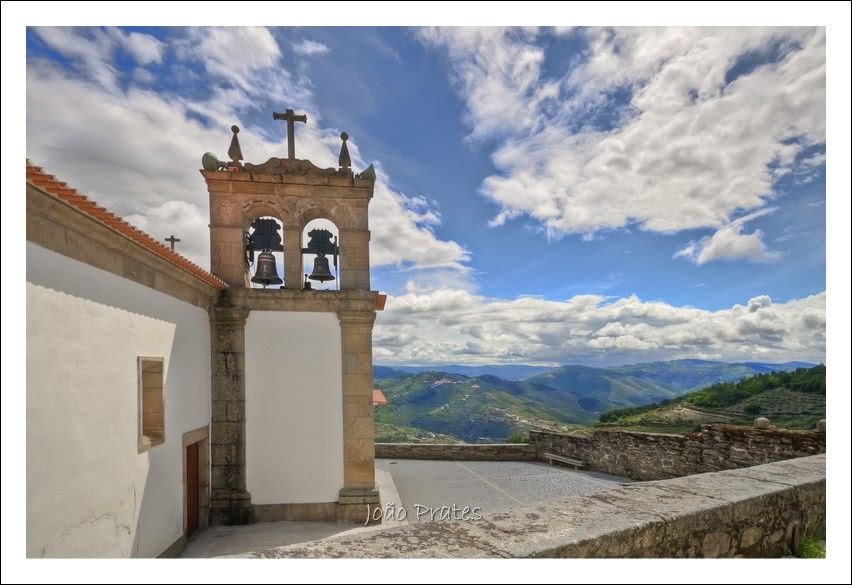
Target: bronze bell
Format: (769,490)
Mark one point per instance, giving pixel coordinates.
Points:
(266,273)
(321,271)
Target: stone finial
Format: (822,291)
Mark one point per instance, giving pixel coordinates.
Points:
(820,426)
(369,173)
(344,161)
(762,422)
(234,150)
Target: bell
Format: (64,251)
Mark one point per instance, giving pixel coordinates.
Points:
(266,273)
(321,271)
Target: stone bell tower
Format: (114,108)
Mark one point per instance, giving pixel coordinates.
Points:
(292,421)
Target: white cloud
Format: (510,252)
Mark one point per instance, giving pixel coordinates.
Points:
(143,77)
(309,48)
(401,232)
(144,48)
(757,303)
(729,243)
(90,48)
(498,72)
(688,151)
(456,326)
(233,54)
(138,152)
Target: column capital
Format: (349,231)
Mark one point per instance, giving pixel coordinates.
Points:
(229,314)
(347,316)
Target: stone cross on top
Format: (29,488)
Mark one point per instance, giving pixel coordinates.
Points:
(291,117)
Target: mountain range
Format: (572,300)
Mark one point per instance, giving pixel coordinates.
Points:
(488,403)
(507,372)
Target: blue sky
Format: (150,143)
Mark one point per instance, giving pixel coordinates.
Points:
(547,195)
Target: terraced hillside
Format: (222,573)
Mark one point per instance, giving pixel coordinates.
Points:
(789,399)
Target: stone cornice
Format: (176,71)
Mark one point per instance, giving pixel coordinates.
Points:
(64,229)
(335,301)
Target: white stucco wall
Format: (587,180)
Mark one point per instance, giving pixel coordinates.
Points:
(294,407)
(89,492)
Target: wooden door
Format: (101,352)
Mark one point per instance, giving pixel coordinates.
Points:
(191,488)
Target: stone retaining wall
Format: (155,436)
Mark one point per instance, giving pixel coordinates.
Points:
(459,452)
(759,511)
(647,456)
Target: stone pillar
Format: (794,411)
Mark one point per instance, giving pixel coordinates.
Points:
(227,254)
(359,483)
(293,275)
(355,259)
(230,502)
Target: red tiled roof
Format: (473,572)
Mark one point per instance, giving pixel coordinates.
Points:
(48,183)
(379,398)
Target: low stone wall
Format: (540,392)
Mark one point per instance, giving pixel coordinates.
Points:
(459,452)
(759,511)
(647,456)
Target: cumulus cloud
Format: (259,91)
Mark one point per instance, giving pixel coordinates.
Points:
(700,138)
(308,48)
(729,243)
(138,151)
(757,303)
(451,325)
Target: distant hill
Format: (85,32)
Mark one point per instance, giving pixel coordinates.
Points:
(507,372)
(791,399)
(601,389)
(682,375)
(481,409)
(382,372)
(489,406)
(687,375)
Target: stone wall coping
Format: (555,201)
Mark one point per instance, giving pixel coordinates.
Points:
(684,516)
(285,299)
(457,451)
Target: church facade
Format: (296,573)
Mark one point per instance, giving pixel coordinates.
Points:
(162,398)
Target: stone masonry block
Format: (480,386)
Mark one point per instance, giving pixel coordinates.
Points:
(358,385)
(357,406)
(358,427)
(357,363)
(227,433)
(228,388)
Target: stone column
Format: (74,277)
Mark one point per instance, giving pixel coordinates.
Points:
(355,259)
(359,483)
(230,502)
(293,275)
(228,254)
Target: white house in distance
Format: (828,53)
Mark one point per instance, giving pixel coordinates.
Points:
(162,398)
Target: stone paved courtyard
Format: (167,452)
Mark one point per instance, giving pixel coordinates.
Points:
(491,486)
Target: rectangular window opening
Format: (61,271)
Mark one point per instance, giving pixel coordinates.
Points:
(152,412)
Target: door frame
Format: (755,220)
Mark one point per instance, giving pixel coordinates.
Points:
(201,436)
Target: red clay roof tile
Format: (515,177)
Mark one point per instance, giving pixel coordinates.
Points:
(69,195)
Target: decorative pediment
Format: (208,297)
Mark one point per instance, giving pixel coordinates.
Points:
(286,166)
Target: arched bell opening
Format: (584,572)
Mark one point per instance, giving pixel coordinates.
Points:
(265,253)
(321,255)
